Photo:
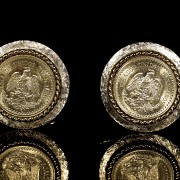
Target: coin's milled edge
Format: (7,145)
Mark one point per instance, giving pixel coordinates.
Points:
(58,152)
(105,78)
(65,82)
(172,148)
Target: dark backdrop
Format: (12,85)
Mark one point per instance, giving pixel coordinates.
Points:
(85,37)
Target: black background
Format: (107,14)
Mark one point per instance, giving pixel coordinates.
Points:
(86,36)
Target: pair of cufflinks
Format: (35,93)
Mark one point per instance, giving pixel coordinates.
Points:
(140,86)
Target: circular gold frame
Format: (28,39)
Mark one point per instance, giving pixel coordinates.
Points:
(117,61)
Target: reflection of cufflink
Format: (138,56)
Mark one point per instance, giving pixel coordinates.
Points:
(140,87)
(34,84)
(32,153)
(141,156)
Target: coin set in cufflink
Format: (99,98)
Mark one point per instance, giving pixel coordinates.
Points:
(34,87)
(140,89)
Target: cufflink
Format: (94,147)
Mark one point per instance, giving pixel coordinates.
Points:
(34,84)
(140,87)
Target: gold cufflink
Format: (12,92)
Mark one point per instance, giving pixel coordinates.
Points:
(34,84)
(140,87)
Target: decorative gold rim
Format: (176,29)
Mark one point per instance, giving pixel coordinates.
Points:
(61,78)
(113,74)
(117,60)
(57,79)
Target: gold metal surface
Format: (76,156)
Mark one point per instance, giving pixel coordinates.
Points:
(140,87)
(141,165)
(28,86)
(141,156)
(25,162)
(34,84)
(144,87)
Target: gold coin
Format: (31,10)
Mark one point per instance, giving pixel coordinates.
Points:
(140,86)
(34,84)
(141,157)
(31,156)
